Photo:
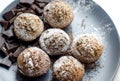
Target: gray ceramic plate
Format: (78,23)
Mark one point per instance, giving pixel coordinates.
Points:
(89,18)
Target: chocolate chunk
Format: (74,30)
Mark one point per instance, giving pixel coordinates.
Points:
(5,24)
(2,40)
(18,6)
(6,62)
(30,11)
(8,15)
(43,1)
(18,51)
(13,56)
(20,10)
(4,50)
(12,20)
(9,32)
(39,11)
(27,2)
(41,5)
(33,6)
(11,46)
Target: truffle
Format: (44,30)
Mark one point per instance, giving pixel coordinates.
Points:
(87,48)
(28,27)
(54,41)
(33,62)
(67,68)
(58,14)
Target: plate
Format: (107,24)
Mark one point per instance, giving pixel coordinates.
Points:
(89,18)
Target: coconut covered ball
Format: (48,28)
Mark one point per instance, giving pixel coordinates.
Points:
(58,14)
(87,48)
(28,27)
(54,41)
(33,62)
(67,68)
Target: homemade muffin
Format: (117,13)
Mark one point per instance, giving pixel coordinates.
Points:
(86,48)
(54,41)
(58,14)
(67,68)
(33,62)
(28,27)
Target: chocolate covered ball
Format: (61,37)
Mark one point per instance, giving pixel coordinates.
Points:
(58,14)
(67,68)
(87,48)
(54,41)
(28,27)
(33,62)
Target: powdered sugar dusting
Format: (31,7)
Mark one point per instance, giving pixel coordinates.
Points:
(67,66)
(35,62)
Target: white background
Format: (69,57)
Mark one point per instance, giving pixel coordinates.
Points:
(112,7)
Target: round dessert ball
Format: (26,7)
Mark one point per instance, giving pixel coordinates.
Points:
(87,48)
(58,14)
(28,27)
(54,41)
(33,62)
(67,68)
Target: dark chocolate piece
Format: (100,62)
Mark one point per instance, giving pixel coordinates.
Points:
(9,32)
(33,6)
(39,11)
(4,50)
(30,11)
(2,40)
(8,15)
(41,5)
(27,2)
(11,46)
(18,51)
(18,6)
(43,1)
(11,21)
(5,24)
(13,56)
(20,10)
(6,62)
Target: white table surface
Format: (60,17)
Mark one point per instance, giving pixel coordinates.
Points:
(110,6)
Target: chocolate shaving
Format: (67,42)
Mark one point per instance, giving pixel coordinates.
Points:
(6,62)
